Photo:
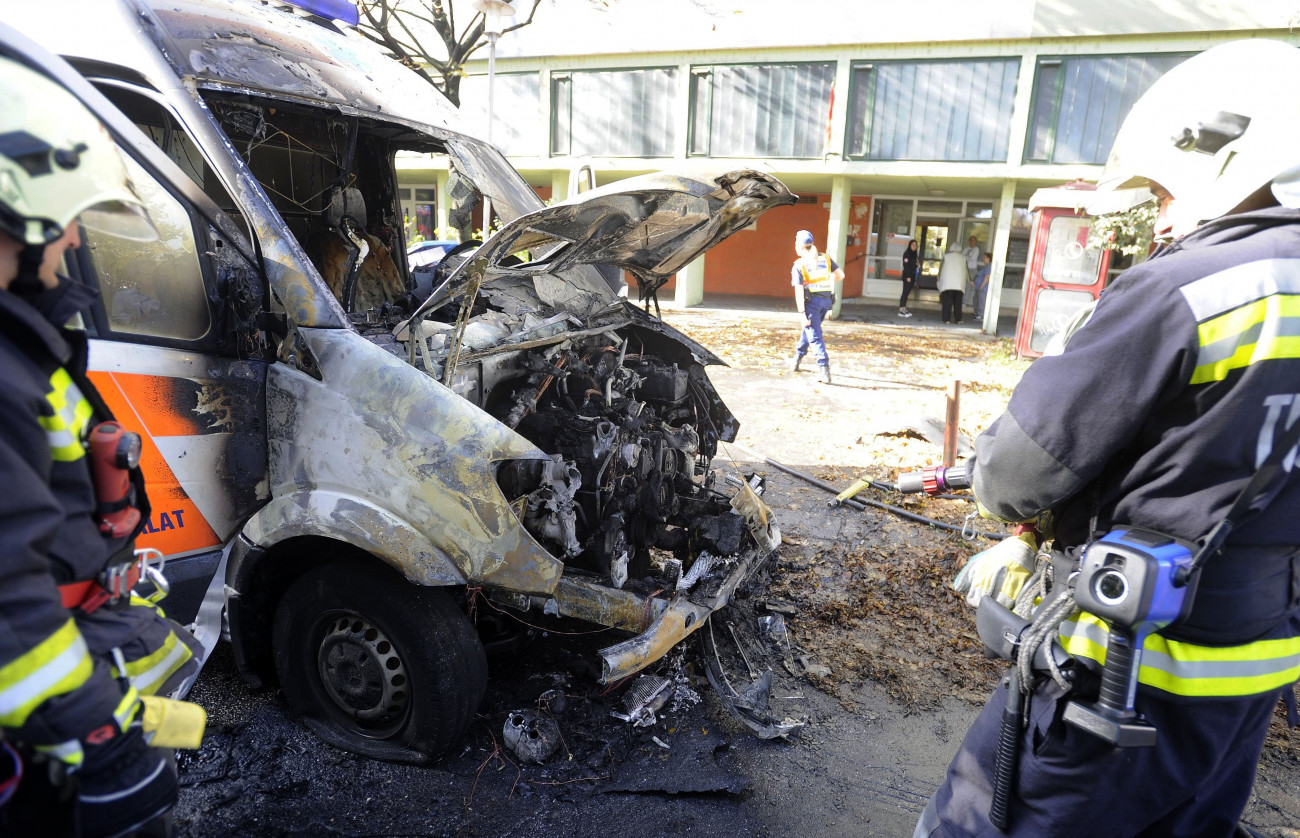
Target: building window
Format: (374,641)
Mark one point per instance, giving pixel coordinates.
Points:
(516,104)
(932,110)
(1079,103)
(761,110)
(614,113)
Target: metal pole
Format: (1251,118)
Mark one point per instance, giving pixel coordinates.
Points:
(951,418)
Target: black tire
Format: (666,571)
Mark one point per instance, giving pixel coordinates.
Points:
(376,665)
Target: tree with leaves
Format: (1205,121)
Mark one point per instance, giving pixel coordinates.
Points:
(1128,233)
(422,35)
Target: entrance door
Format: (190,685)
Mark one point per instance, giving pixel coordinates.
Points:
(934,234)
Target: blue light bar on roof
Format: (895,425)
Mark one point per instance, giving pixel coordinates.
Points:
(341,10)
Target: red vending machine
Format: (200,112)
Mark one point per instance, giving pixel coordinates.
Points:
(1064,275)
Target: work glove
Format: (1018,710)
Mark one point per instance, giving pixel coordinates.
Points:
(167,723)
(125,786)
(1002,570)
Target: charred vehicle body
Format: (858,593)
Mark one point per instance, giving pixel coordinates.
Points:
(342,451)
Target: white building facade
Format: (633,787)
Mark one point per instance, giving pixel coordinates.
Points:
(933,120)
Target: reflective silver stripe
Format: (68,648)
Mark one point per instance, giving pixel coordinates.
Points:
(1188,670)
(1241,284)
(1092,631)
(44,679)
(148,681)
(68,753)
(1222,350)
(60,439)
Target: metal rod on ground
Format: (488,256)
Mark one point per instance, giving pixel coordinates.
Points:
(857,504)
(950,424)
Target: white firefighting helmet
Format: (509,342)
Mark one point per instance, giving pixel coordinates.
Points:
(1213,130)
(58,162)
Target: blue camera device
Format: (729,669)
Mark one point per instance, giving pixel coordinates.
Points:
(1139,582)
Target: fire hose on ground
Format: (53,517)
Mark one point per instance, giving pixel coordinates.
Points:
(908,482)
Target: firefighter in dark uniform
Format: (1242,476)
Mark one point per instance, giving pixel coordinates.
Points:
(82,659)
(1156,415)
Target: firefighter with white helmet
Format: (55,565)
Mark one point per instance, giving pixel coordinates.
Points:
(83,660)
(1157,414)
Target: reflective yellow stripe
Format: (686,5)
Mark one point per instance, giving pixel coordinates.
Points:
(126,708)
(150,672)
(1191,670)
(59,664)
(64,430)
(1265,329)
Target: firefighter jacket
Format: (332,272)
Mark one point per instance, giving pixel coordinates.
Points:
(815,276)
(1156,415)
(56,679)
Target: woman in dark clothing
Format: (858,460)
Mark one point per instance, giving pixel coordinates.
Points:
(911,264)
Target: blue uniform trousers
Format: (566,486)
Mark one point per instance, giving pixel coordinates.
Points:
(1195,781)
(815,309)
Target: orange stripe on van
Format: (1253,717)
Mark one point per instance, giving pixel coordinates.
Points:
(156,403)
(175,525)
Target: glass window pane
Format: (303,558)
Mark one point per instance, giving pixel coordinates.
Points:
(516,103)
(1040,118)
(623,113)
(937,110)
(1068,259)
(891,231)
(426,194)
(700,109)
(1095,94)
(1052,312)
(859,112)
(770,110)
(941,207)
(152,288)
(561,115)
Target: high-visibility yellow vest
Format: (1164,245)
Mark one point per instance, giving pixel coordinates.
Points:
(66,429)
(820,278)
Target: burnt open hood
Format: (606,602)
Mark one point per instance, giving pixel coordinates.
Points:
(651,226)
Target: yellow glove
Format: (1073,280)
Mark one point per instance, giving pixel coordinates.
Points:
(167,723)
(1002,570)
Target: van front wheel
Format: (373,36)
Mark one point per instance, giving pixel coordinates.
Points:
(376,665)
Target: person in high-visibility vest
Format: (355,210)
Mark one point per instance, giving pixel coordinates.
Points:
(813,276)
(1155,416)
(83,660)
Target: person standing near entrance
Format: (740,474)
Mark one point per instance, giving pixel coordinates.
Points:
(911,267)
(952,284)
(980,285)
(813,276)
(972,253)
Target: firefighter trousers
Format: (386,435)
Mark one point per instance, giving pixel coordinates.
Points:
(1193,783)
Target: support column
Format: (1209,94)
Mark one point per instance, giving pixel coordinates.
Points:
(837,233)
(690,284)
(1001,243)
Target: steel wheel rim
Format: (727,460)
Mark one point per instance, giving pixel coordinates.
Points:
(362,673)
